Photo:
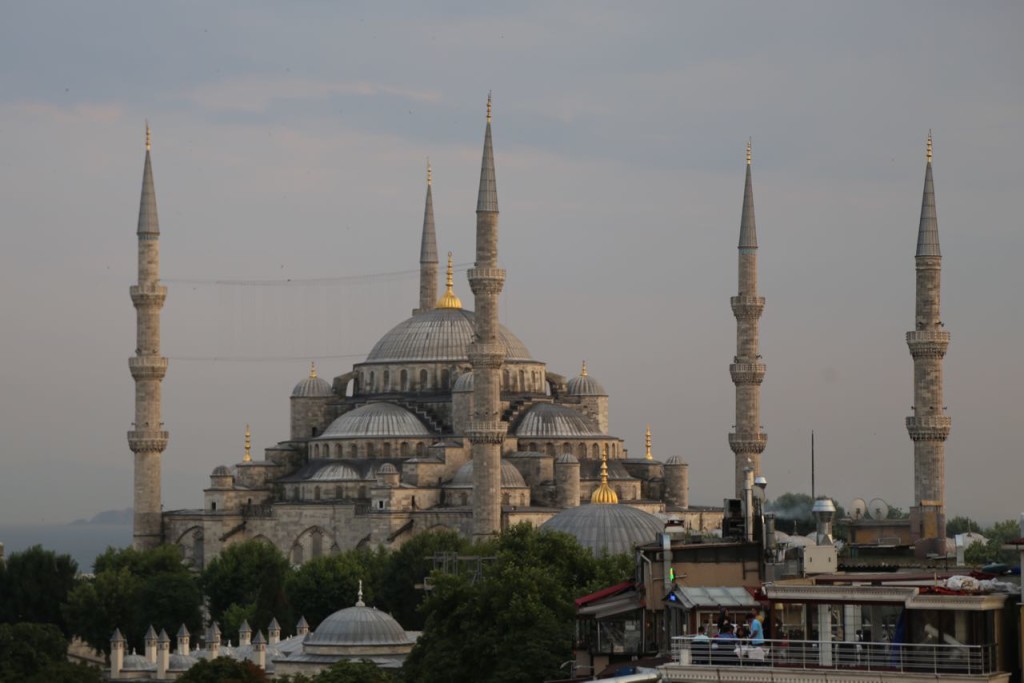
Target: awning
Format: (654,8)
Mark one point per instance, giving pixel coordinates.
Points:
(604,593)
(693,597)
(619,604)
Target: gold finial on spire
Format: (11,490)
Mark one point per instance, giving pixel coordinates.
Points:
(929,153)
(148,145)
(429,179)
(603,494)
(583,370)
(312,369)
(647,444)
(248,445)
(488,106)
(749,140)
(359,602)
(449,300)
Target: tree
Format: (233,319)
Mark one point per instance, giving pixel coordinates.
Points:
(133,589)
(961,525)
(249,573)
(33,585)
(407,567)
(37,653)
(992,551)
(345,671)
(223,670)
(326,584)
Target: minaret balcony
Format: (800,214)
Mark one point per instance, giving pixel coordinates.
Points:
(147,440)
(487,432)
(928,343)
(486,280)
(148,294)
(747,373)
(147,367)
(748,443)
(747,306)
(929,427)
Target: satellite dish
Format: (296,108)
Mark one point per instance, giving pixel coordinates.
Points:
(858,508)
(878,508)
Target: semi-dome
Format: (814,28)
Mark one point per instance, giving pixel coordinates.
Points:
(441,334)
(612,528)
(312,386)
(675,460)
(567,459)
(464,382)
(510,476)
(359,625)
(549,420)
(221,471)
(375,420)
(585,385)
(334,471)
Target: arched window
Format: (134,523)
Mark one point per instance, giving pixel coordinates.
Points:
(387,450)
(581,450)
(353,450)
(316,493)
(403,380)
(505,383)
(567,447)
(403,449)
(595,452)
(213,505)
(387,381)
(424,380)
(371,451)
(522,380)
(420,448)
(295,493)
(337,450)
(337,492)
(550,449)
(533,446)
(445,375)
(373,382)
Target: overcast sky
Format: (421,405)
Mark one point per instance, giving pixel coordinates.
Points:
(289,142)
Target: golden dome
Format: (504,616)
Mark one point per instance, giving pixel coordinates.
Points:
(449,300)
(604,494)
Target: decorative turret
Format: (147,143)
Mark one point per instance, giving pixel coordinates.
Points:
(747,441)
(448,299)
(308,405)
(929,425)
(603,494)
(591,395)
(486,354)
(428,252)
(147,440)
(116,654)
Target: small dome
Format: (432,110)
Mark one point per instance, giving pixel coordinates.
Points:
(566,459)
(134,662)
(180,662)
(387,468)
(612,528)
(675,460)
(463,383)
(375,420)
(585,385)
(359,626)
(334,471)
(221,471)
(549,420)
(312,386)
(510,476)
(441,334)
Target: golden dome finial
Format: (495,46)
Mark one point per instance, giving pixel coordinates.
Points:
(749,140)
(647,444)
(603,494)
(148,140)
(929,153)
(312,369)
(429,179)
(248,445)
(449,300)
(488,106)
(583,370)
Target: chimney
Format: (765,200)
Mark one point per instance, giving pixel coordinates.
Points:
(116,654)
(824,510)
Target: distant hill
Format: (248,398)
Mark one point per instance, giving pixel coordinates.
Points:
(109,517)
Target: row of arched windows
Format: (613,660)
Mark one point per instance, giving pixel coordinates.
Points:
(580,450)
(368,449)
(371,382)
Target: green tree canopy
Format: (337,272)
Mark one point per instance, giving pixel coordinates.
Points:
(34,584)
(329,583)
(961,525)
(132,590)
(37,653)
(354,672)
(249,573)
(223,670)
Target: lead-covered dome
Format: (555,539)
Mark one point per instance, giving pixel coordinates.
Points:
(612,528)
(375,420)
(312,386)
(549,420)
(357,625)
(510,476)
(585,385)
(441,334)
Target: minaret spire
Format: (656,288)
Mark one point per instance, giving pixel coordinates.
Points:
(747,441)
(929,425)
(428,252)
(147,439)
(248,445)
(486,430)
(647,444)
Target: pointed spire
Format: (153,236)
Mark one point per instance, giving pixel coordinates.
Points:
(748,230)
(248,445)
(449,300)
(359,602)
(487,199)
(428,245)
(928,230)
(603,494)
(148,222)
(583,370)
(647,444)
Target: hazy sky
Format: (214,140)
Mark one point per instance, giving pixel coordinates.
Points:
(289,142)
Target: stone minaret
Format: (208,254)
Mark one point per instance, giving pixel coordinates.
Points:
(428,253)
(148,439)
(929,425)
(486,430)
(747,370)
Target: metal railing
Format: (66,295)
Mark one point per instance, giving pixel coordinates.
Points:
(836,654)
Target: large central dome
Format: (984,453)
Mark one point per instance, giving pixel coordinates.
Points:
(442,334)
